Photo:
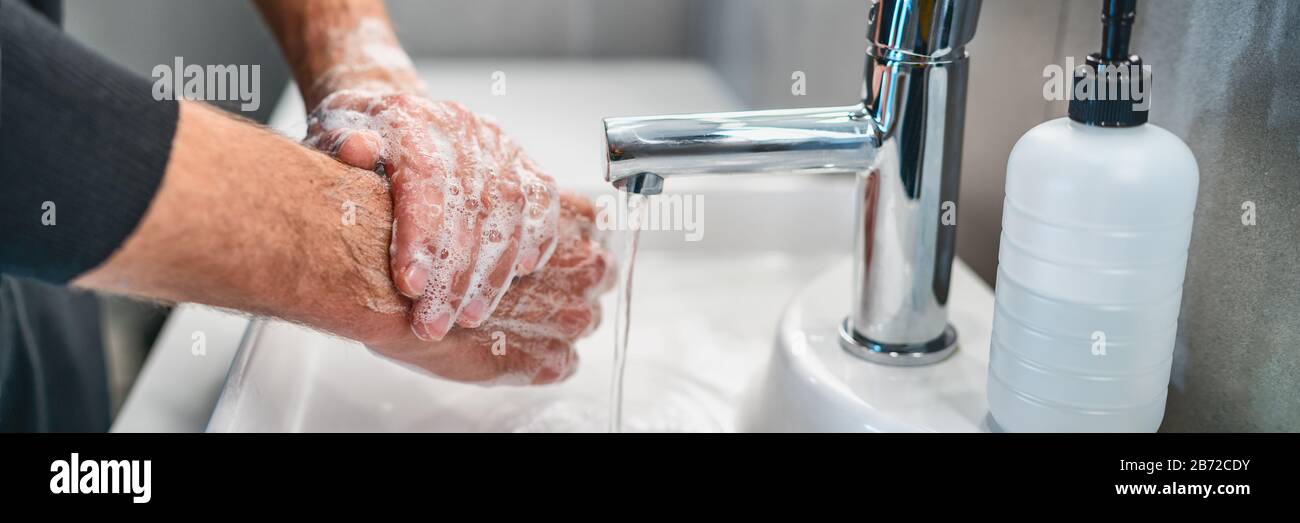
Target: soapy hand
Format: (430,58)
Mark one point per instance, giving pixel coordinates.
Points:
(529,340)
(471,211)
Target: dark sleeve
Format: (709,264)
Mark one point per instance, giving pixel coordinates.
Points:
(83,147)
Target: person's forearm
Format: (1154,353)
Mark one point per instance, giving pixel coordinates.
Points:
(338,44)
(248,220)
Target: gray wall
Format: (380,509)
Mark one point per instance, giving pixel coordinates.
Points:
(758,44)
(544,28)
(1226,82)
(139,34)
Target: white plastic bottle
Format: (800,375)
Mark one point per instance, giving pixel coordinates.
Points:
(1095,229)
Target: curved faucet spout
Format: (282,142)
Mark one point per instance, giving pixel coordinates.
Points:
(643,151)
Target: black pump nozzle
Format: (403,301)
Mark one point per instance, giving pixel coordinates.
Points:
(1116,25)
(1108,106)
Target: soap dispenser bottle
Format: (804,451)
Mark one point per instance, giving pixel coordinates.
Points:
(1095,228)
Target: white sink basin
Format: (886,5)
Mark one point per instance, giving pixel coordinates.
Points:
(693,351)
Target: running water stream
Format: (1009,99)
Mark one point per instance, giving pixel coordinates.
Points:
(623,315)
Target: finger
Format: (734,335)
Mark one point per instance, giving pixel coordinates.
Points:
(315,128)
(526,303)
(485,293)
(580,267)
(495,269)
(446,278)
(577,217)
(573,322)
(499,250)
(544,359)
(609,276)
(544,253)
(539,205)
(430,319)
(343,110)
(418,201)
(469,212)
(555,374)
(360,148)
(576,206)
(541,215)
(494,357)
(485,357)
(352,101)
(326,141)
(454,251)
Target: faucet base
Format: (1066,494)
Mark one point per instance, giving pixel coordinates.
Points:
(898,354)
(811,384)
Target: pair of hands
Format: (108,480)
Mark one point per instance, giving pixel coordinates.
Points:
(503,272)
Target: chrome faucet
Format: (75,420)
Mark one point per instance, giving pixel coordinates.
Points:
(903,141)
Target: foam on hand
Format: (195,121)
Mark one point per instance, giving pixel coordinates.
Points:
(471,211)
